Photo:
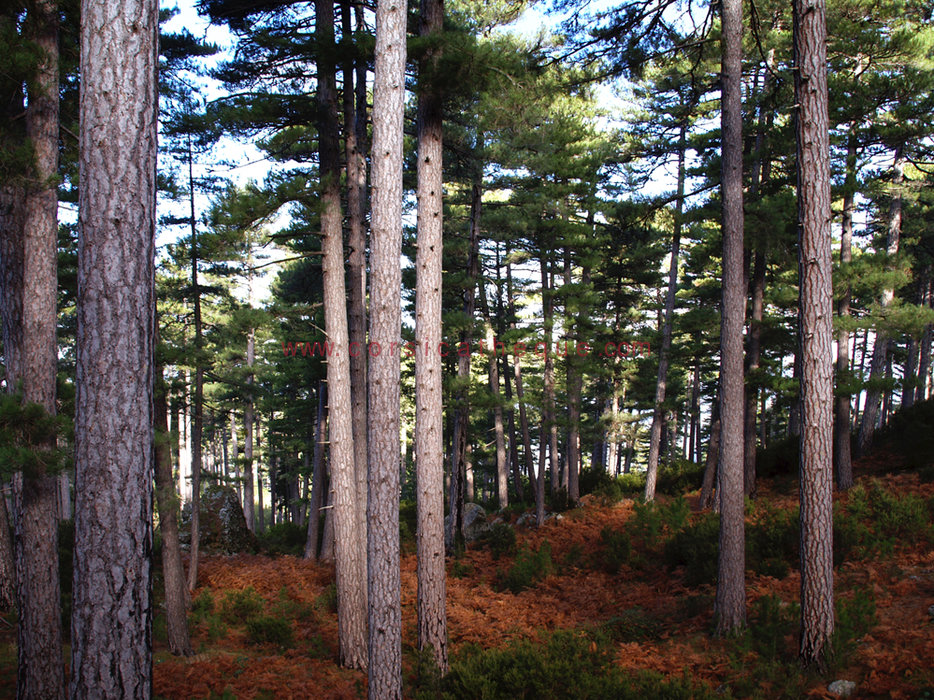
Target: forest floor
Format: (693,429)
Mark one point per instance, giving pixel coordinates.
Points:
(266,627)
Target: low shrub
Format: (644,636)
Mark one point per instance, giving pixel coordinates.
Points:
(530,567)
(634,625)
(283,538)
(239,606)
(614,551)
(265,629)
(501,540)
(772,541)
(679,477)
(696,548)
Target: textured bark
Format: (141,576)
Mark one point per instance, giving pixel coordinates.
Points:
(354,148)
(664,352)
(318,477)
(924,362)
(173,573)
(499,435)
(880,348)
(7,569)
(713,458)
(574,385)
(35,497)
(112,619)
(812,126)
(694,438)
(730,606)
(842,457)
(429,413)
(753,356)
(349,553)
(385,612)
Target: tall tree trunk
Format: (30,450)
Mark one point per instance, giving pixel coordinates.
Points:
(880,349)
(429,411)
(111,627)
(348,540)
(694,439)
(385,619)
(843,462)
(318,477)
(730,606)
(548,410)
(574,385)
(812,126)
(173,572)
(499,435)
(459,469)
(713,458)
(924,363)
(235,456)
(354,147)
(197,418)
(753,356)
(249,506)
(664,352)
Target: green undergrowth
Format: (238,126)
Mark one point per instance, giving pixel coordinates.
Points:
(565,665)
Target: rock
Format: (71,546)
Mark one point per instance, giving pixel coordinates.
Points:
(844,689)
(931,611)
(526,520)
(221,523)
(475,524)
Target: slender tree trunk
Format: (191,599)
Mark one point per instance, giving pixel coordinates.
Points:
(111,626)
(499,436)
(429,412)
(459,468)
(348,542)
(385,619)
(812,126)
(248,419)
(713,457)
(173,572)
(354,147)
(548,410)
(664,351)
(843,463)
(924,363)
(694,439)
(574,384)
(318,477)
(880,349)
(235,456)
(730,606)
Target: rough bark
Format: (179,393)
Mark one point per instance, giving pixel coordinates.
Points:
(712,459)
(173,572)
(924,362)
(664,352)
(385,612)
(112,619)
(348,550)
(355,110)
(574,385)
(197,416)
(429,414)
(730,606)
(843,462)
(548,410)
(812,126)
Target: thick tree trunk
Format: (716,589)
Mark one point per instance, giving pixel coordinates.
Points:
(348,542)
(664,352)
(173,572)
(880,349)
(112,620)
(429,412)
(730,606)
(385,618)
(812,126)
(843,462)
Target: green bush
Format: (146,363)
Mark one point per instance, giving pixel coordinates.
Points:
(679,477)
(632,484)
(873,519)
(773,622)
(283,538)
(855,617)
(264,629)
(239,606)
(529,568)
(650,519)
(327,601)
(696,547)
(568,665)
(501,539)
(202,605)
(408,523)
(614,550)
(772,541)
